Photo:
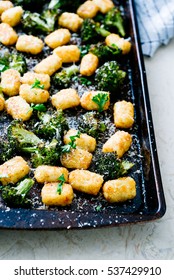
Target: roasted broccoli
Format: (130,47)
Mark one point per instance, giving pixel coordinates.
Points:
(44,153)
(63,79)
(17,196)
(7,151)
(51,125)
(43,22)
(90,124)
(107,165)
(18,62)
(91,31)
(109,76)
(113,19)
(69,5)
(104,52)
(14,61)
(20,138)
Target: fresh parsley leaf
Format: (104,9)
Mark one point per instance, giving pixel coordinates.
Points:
(72,145)
(100,99)
(37,84)
(61,180)
(39,107)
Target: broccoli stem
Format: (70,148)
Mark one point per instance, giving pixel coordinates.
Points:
(24,187)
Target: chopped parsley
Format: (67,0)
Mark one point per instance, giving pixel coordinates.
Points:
(72,145)
(37,84)
(61,180)
(39,107)
(100,99)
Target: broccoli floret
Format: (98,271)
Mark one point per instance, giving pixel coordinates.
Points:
(44,153)
(51,125)
(18,62)
(17,196)
(107,165)
(44,22)
(84,49)
(14,61)
(91,30)
(90,124)
(19,137)
(7,151)
(63,79)
(105,53)
(67,5)
(113,19)
(4,64)
(109,76)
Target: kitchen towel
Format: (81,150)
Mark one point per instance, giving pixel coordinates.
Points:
(155,22)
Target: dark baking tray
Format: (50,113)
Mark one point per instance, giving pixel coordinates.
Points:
(149,203)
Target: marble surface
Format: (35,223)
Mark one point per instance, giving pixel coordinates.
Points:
(154,240)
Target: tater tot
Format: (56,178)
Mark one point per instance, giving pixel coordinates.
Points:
(104,5)
(121,43)
(71,21)
(49,65)
(88,104)
(29,44)
(119,190)
(76,159)
(12,16)
(8,36)
(13,170)
(18,108)
(88,10)
(51,197)
(86,181)
(65,98)
(89,64)
(85,142)
(10,82)
(120,143)
(5,5)
(46,173)
(123,114)
(2,102)
(30,78)
(68,54)
(33,95)
(58,38)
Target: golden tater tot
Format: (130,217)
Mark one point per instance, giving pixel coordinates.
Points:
(8,36)
(65,98)
(18,108)
(29,44)
(76,159)
(30,78)
(119,190)
(71,21)
(58,38)
(68,54)
(10,82)
(88,10)
(49,65)
(123,114)
(33,95)
(46,173)
(121,43)
(12,16)
(89,64)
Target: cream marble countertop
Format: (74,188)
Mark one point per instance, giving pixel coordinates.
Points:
(153,240)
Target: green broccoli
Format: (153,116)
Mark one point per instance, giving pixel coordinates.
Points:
(109,76)
(91,31)
(63,79)
(105,53)
(14,61)
(17,196)
(18,62)
(107,165)
(20,138)
(44,22)
(7,151)
(90,124)
(44,153)
(114,19)
(51,125)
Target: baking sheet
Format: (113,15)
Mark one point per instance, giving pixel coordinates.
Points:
(149,204)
